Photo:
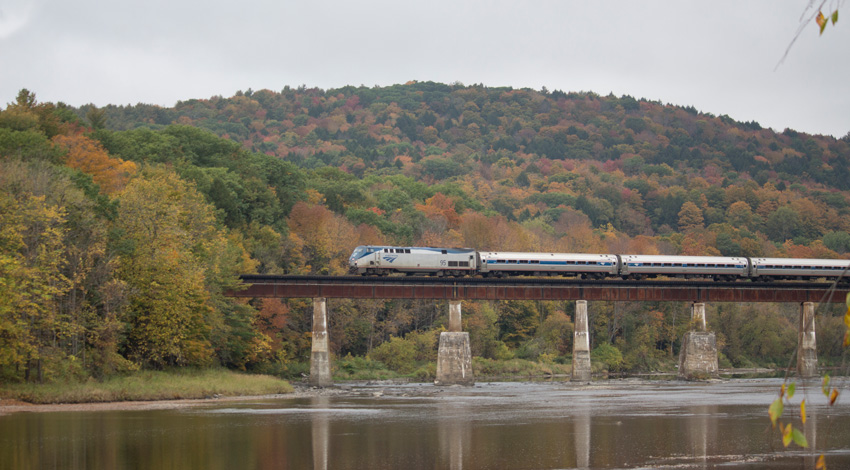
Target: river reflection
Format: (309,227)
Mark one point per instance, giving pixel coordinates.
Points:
(617,424)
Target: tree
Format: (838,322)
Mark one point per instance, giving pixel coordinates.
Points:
(838,241)
(783,224)
(518,321)
(177,266)
(690,217)
(88,156)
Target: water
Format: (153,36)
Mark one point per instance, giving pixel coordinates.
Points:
(611,424)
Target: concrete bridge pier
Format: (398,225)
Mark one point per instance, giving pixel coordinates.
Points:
(320,357)
(807,356)
(698,356)
(581,345)
(454,358)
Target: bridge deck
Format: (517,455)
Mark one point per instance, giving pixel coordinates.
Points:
(357,287)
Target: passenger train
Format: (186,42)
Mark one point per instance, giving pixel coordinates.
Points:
(457,262)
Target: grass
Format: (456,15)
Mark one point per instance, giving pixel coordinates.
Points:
(149,385)
(517,368)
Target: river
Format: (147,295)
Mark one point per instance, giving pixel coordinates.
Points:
(530,425)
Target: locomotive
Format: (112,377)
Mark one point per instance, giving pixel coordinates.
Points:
(459,262)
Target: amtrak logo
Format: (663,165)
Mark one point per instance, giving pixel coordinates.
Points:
(390,258)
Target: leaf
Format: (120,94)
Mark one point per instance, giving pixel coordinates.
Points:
(786,435)
(833,396)
(775,410)
(803,411)
(825,386)
(847,318)
(835,17)
(821,464)
(846,338)
(847,301)
(821,21)
(791,388)
(799,438)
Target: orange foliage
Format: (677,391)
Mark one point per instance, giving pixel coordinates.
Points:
(86,155)
(440,207)
(791,250)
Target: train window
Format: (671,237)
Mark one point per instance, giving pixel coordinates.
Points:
(667,264)
(522,261)
(407,250)
(444,252)
(534,261)
(571,262)
(512,261)
(464,264)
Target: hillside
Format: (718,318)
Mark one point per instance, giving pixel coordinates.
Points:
(122,226)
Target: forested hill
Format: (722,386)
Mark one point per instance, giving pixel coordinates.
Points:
(546,159)
(121,227)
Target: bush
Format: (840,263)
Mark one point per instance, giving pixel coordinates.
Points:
(609,355)
(426,373)
(397,354)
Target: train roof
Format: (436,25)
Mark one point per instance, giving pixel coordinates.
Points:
(682,259)
(802,261)
(525,254)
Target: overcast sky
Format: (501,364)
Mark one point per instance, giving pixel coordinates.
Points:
(719,56)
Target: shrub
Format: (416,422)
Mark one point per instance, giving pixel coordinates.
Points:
(397,354)
(609,355)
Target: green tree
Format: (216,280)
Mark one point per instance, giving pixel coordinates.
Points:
(783,224)
(838,241)
(518,321)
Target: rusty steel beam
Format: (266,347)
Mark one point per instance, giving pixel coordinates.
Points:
(535,289)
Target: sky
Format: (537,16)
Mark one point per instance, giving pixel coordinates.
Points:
(719,56)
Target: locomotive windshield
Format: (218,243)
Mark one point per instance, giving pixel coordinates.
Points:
(362,251)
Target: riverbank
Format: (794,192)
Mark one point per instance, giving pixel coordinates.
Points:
(172,390)
(146,386)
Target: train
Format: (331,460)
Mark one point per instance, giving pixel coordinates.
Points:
(369,260)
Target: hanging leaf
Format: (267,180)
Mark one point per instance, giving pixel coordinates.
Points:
(846,338)
(821,464)
(775,410)
(833,396)
(825,386)
(835,17)
(821,21)
(803,411)
(799,438)
(791,388)
(786,435)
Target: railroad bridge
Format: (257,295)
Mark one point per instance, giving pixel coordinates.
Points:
(698,357)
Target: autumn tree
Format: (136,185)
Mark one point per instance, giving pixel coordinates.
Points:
(88,156)
(690,217)
(177,265)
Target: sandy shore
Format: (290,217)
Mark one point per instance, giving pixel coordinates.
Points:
(358,389)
